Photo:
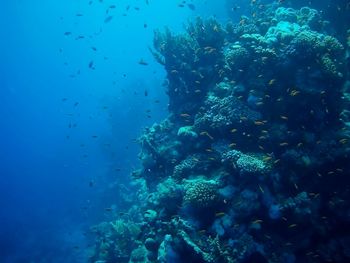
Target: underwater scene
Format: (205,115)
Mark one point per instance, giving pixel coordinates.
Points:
(175,131)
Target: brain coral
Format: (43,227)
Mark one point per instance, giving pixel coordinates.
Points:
(201,194)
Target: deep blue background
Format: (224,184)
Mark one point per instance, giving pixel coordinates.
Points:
(56,179)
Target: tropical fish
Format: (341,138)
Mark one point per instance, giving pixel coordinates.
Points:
(191,6)
(108,19)
(220,214)
(142,62)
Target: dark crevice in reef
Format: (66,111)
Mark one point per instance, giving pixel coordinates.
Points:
(252,163)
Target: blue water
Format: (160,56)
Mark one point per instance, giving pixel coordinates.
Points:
(55,175)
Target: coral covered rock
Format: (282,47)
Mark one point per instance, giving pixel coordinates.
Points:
(222,114)
(251,163)
(201,194)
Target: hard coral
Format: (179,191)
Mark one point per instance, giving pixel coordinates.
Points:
(221,114)
(201,194)
(264,98)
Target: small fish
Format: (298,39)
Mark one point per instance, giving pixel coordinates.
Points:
(146,93)
(272,81)
(94,49)
(261,189)
(343,141)
(233,130)
(258,221)
(220,214)
(292,226)
(108,209)
(258,123)
(267,158)
(91,183)
(284,144)
(76,104)
(108,19)
(294,93)
(67,33)
(142,62)
(191,6)
(91,64)
(185,115)
(207,134)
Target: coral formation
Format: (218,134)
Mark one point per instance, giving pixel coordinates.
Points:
(251,163)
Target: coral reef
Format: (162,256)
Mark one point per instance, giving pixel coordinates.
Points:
(251,163)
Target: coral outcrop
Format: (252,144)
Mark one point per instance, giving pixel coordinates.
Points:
(251,164)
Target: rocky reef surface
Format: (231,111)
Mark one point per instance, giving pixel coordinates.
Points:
(252,163)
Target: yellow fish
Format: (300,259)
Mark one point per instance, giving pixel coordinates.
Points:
(272,81)
(220,214)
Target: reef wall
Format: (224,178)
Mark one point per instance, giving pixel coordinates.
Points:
(252,163)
